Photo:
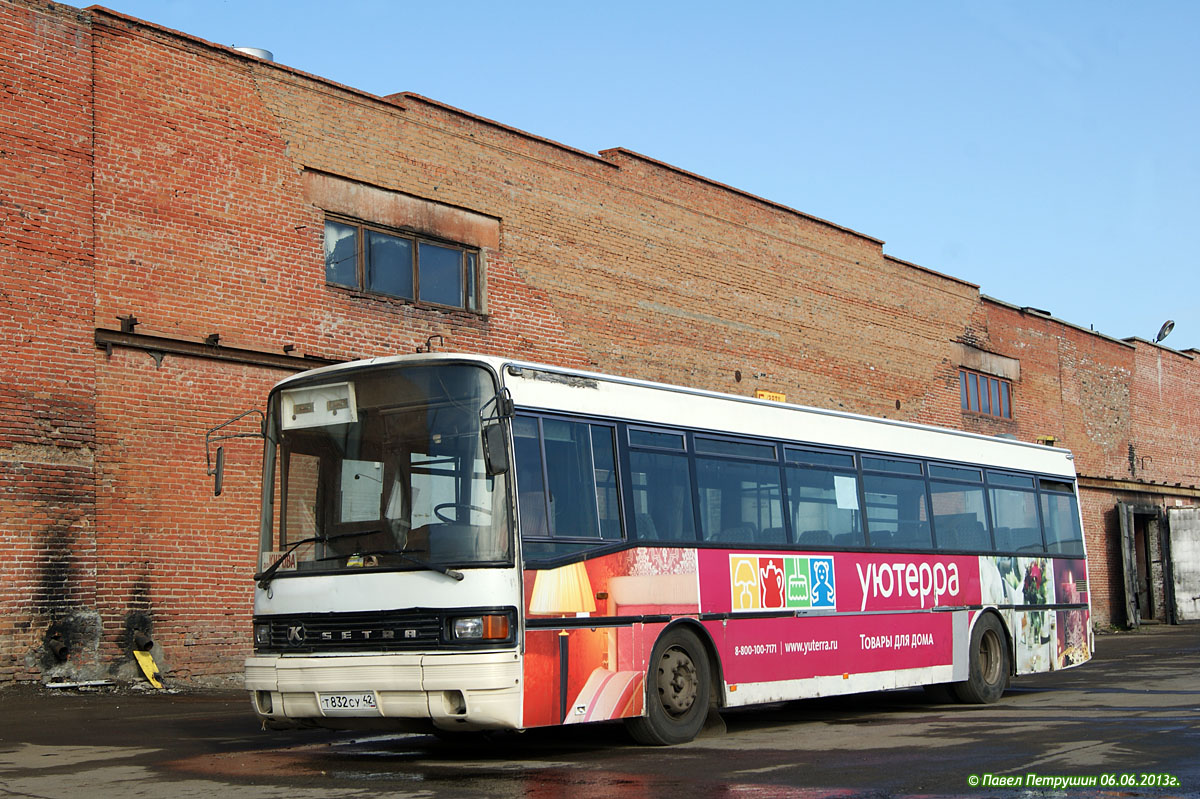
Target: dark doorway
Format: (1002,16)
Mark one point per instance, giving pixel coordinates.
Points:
(1142,556)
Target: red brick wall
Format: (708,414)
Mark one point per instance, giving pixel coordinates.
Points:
(1074,386)
(176,561)
(1101,532)
(1165,435)
(205,224)
(47,379)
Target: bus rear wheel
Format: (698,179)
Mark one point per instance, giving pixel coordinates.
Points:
(990,665)
(678,691)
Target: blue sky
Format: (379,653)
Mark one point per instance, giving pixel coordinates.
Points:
(1046,151)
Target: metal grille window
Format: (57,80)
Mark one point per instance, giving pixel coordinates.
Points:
(985,394)
(396,264)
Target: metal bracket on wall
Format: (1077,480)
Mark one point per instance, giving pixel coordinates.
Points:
(159,347)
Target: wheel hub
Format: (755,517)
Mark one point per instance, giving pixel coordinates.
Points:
(678,681)
(989,657)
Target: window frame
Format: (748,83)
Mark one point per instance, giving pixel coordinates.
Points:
(470,264)
(979,393)
(745,457)
(552,534)
(1055,548)
(966,478)
(815,458)
(900,469)
(742,449)
(631,430)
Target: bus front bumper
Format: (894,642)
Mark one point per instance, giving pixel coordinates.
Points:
(459,691)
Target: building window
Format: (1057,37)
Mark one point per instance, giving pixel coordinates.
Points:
(984,394)
(396,264)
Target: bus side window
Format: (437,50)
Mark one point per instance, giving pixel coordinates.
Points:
(1060,512)
(570,475)
(567,480)
(531,487)
(608,495)
(897,515)
(740,502)
(1015,519)
(662,496)
(959,517)
(823,504)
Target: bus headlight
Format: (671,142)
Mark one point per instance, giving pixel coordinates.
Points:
(480,628)
(262,635)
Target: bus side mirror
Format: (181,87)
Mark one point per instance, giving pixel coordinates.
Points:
(219,472)
(495,449)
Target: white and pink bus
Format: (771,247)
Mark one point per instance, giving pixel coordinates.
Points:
(473,543)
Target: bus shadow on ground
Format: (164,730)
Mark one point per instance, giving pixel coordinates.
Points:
(574,739)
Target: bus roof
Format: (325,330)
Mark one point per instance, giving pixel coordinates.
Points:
(543,387)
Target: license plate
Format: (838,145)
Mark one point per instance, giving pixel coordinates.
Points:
(353,704)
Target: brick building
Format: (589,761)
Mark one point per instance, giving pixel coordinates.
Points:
(167,204)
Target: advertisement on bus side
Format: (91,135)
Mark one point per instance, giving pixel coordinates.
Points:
(782,617)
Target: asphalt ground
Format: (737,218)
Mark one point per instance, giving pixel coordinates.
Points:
(1131,716)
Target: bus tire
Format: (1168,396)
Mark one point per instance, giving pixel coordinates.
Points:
(990,665)
(678,691)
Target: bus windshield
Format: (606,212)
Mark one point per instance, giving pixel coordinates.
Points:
(382,468)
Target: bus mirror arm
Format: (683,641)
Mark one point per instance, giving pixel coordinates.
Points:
(217,470)
(502,406)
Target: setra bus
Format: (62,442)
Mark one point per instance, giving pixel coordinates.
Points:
(475,543)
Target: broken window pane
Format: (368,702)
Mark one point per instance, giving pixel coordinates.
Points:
(341,254)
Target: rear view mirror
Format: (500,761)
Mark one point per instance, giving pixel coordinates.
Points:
(495,448)
(219,472)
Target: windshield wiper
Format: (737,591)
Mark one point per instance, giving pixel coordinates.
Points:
(455,573)
(264,577)
(400,553)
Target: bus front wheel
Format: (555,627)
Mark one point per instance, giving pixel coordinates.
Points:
(990,664)
(678,691)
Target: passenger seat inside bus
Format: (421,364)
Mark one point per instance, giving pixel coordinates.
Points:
(1003,539)
(739,534)
(912,535)
(961,531)
(848,539)
(1026,539)
(773,535)
(974,537)
(816,538)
